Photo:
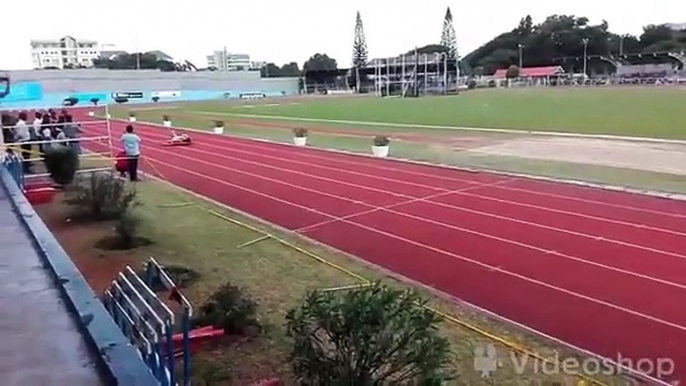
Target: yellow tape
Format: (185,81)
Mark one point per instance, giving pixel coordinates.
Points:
(255,241)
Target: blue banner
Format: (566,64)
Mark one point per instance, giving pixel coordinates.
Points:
(28,91)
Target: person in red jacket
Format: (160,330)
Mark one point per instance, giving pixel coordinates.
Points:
(121,164)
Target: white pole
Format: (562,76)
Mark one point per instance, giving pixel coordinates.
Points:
(426,72)
(388,76)
(585,41)
(402,83)
(457,72)
(109,130)
(445,74)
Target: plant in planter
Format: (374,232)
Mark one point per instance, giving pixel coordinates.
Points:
(219,127)
(95,101)
(155,99)
(381,146)
(300,137)
(132,117)
(166,120)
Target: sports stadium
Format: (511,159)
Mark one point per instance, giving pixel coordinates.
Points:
(525,226)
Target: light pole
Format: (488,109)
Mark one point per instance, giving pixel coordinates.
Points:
(585,41)
(621,45)
(521,58)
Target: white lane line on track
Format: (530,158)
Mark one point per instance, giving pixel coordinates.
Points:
(476,184)
(488,267)
(452,206)
(345,159)
(578,259)
(419,199)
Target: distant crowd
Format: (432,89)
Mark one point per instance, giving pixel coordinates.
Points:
(46,130)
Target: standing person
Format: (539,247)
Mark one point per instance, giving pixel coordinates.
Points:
(22,133)
(36,134)
(132,148)
(46,132)
(73,131)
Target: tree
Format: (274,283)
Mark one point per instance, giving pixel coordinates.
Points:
(360,54)
(143,61)
(448,38)
(372,336)
(558,40)
(512,72)
(271,70)
(291,70)
(320,62)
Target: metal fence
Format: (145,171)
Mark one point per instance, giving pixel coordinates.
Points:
(150,323)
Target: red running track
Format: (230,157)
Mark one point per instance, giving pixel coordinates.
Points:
(601,270)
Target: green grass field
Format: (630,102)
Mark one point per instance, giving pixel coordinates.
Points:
(646,112)
(631,111)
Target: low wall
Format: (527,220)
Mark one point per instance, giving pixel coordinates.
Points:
(33,89)
(121,362)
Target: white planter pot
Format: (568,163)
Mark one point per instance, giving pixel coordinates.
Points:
(90,114)
(219,130)
(167,123)
(300,141)
(109,116)
(380,151)
(132,119)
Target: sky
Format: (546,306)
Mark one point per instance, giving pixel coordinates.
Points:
(284,31)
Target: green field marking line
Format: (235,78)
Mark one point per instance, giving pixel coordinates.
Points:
(439,127)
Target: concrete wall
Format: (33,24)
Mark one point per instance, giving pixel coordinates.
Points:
(38,88)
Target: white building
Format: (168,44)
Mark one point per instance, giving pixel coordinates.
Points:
(226,61)
(63,53)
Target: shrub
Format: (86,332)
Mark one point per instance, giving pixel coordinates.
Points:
(132,114)
(381,140)
(155,99)
(512,72)
(101,196)
(62,163)
(300,132)
(95,101)
(166,118)
(218,123)
(127,230)
(229,308)
(373,336)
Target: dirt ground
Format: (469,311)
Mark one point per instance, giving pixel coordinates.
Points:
(648,156)
(78,239)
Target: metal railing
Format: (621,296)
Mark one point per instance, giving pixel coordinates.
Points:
(150,323)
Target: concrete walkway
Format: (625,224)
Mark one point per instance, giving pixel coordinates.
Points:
(40,343)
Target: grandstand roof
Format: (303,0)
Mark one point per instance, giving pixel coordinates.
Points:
(532,72)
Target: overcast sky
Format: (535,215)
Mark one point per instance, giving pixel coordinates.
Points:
(282,31)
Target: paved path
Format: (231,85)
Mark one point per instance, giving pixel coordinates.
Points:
(39,341)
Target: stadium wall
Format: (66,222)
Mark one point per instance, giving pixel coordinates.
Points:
(41,88)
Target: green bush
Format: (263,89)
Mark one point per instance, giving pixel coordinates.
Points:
(127,230)
(381,140)
(101,196)
(373,336)
(62,163)
(300,132)
(231,309)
